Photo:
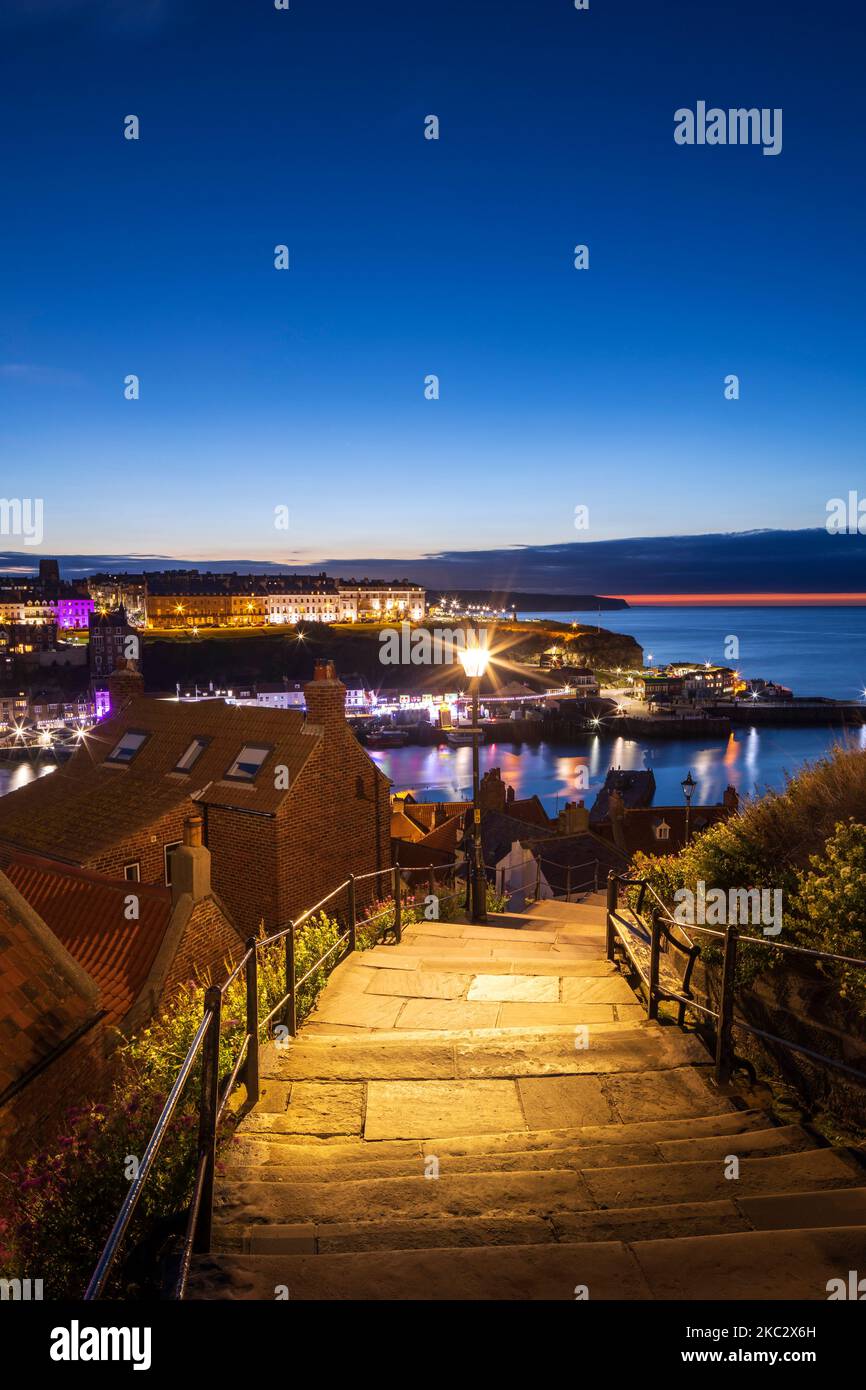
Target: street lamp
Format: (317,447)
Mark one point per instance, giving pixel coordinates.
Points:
(474,659)
(688,785)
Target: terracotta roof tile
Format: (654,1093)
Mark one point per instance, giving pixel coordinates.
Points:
(41,1006)
(85,911)
(78,812)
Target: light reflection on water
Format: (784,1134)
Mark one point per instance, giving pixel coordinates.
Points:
(751,759)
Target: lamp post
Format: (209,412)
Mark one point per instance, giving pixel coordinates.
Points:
(474,659)
(688,785)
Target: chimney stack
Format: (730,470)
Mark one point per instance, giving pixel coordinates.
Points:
(616,813)
(125,684)
(573,818)
(190,864)
(325,697)
(492,792)
(731,799)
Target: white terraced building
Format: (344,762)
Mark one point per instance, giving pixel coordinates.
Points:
(347,604)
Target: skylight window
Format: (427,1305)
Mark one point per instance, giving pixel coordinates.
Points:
(129,745)
(192,755)
(248,762)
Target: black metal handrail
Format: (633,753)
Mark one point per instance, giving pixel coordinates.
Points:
(212,1102)
(725,1018)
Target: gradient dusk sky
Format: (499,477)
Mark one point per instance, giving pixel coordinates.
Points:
(304,388)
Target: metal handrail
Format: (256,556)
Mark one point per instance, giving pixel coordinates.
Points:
(212,1104)
(724,1016)
(127,1211)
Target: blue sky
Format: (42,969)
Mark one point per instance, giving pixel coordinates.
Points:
(305,388)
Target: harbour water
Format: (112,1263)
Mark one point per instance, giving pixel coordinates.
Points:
(752,760)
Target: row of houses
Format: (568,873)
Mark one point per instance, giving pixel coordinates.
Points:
(220,820)
(529,855)
(192,598)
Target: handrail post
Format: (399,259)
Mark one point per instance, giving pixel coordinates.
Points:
(568,884)
(726,1005)
(207,1119)
(292,1015)
(431,882)
(353,916)
(538,879)
(652,1008)
(398,905)
(611,909)
(251,1069)
(595,877)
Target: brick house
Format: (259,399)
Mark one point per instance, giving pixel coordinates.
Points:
(290,804)
(77,965)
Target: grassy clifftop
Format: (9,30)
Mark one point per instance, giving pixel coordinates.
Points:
(231,656)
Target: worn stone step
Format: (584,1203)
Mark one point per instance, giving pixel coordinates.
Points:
(404,958)
(603,1049)
(251,1159)
(531,1191)
(705,1180)
(845,1207)
(789,1265)
(333,1150)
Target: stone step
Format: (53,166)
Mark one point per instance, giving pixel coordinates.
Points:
(470,962)
(774,1265)
(489,1053)
(479,1103)
(309,1150)
(253,1159)
(530,1192)
(705,1180)
(844,1207)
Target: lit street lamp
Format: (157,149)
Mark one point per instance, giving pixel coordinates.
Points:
(474,659)
(688,785)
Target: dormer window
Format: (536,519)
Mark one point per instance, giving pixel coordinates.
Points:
(662,830)
(247,763)
(192,754)
(128,747)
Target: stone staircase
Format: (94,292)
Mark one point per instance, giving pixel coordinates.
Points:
(484,1112)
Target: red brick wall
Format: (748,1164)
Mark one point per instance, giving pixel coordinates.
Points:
(208,947)
(34,1116)
(335,822)
(146,846)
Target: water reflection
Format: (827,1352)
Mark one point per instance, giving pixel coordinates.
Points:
(752,759)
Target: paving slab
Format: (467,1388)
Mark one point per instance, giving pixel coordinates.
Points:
(657,1095)
(421,984)
(359,1011)
(611,990)
(784,1211)
(316,1109)
(369,1058)
(557,1102)
(372,960)
(520,1273)
(647,1185)
(524,1015)
(454,1232)
(538,989)
(650,1223)
(446,1014)
(424,1109)
(790,1265)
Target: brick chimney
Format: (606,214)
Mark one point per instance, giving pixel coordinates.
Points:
(325,697)
(616,814)
(492,792)
(125,684)
(190,864)
(731,799)
(572,819)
